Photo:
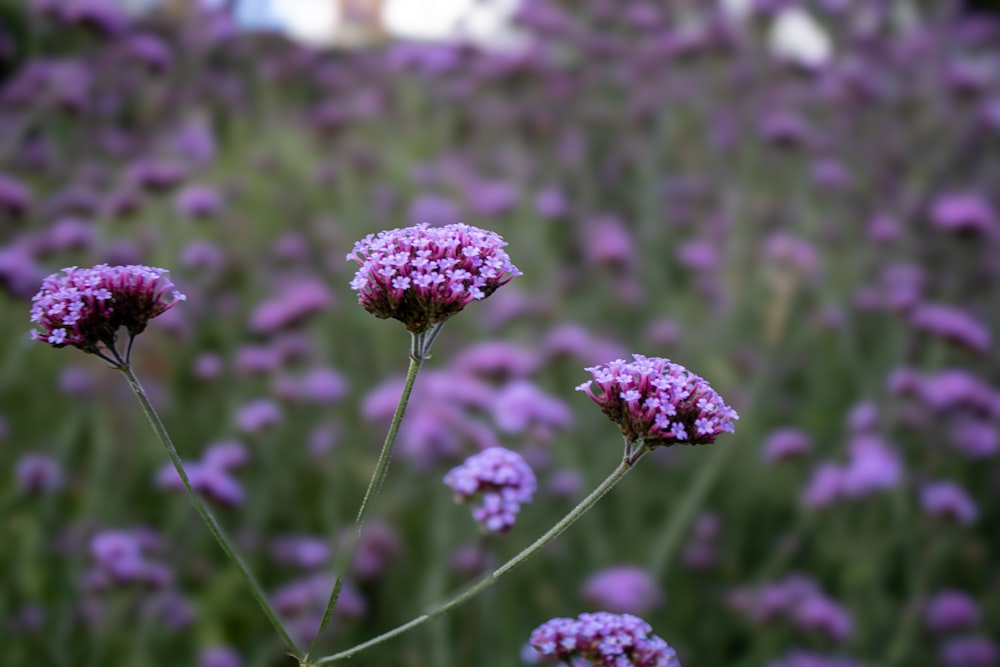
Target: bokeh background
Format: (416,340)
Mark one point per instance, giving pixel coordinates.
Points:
(796,200)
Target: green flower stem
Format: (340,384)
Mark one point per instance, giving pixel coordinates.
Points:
(420,344)
(206,514)
(694,498)
(627,464)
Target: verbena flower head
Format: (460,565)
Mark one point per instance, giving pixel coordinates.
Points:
(504,480)
(605,640)
(85,307)
(423,275)
(660,402)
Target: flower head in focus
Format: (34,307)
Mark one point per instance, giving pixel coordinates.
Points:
(86,307)
(660,402)
(504,480)
(605,640)
(423,275)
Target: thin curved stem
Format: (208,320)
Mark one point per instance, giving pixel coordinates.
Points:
(628,462)
(202,509)
(419,348)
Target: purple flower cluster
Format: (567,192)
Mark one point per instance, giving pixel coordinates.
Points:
(212,475)
(605,640)
(797,600)
(659,402)
(423,275)
(86,307)
(503,479)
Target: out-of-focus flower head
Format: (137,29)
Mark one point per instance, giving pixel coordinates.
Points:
(87,307)
(949,501)
(950,610)
(604,639)
(660,402)
(423,275)
(504,481)
(624,589)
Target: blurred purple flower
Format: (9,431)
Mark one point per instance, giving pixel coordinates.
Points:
(433,210)
(150,50)
(950,611)
(807,659)
(219,656)
(607,242)
(551,203)
(15,197)
(964,212)
(624,589)
(785,444)
(198,201)
(863,417)
(304,551)
(496,358)
(39,474)
(970,651)
(659,402)
(295,303)
(258,415)
(504,481)
(947,500)
(521,405)
(207,366)
(490,198)
(952,324)
(873,465)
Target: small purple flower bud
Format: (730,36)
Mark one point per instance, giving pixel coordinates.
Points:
(947,500)
(423,275)
(86,307)
(605,640)
(659,402)
(503,479)
(627,589)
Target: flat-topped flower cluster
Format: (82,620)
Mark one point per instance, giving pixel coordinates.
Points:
(660,402)
(423,275)
(85,307)
(605,640)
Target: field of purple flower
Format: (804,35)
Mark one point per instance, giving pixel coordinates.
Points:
(817,240)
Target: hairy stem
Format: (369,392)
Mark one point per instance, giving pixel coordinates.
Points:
(202,509)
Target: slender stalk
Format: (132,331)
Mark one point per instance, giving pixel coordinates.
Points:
(419,349)
(206,514)
(628,462)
